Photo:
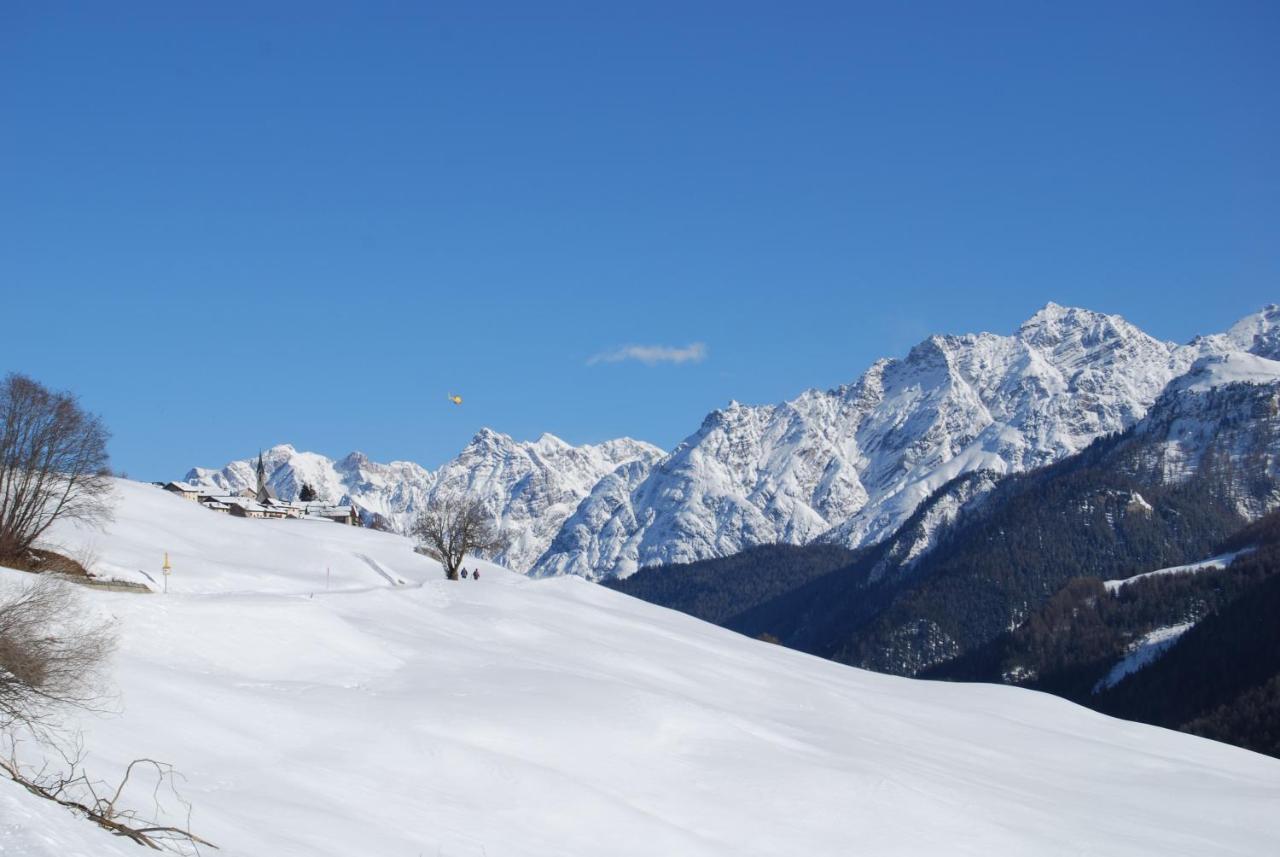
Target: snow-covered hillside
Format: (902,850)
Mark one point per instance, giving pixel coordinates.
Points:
(530,487)
(511,716)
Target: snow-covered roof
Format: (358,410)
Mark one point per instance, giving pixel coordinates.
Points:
(188,487)
(231,498)
(254,506)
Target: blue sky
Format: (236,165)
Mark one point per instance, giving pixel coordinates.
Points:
(226,227)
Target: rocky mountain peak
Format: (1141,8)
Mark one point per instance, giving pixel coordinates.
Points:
(851,465)
(1258,333)
(528,495)
(848,465)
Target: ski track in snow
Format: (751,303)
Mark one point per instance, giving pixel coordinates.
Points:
(382,572)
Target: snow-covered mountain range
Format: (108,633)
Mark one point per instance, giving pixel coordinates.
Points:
(850,465)
(847,465)
(530,488)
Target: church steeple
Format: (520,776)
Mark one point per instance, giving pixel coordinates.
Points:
(264,493)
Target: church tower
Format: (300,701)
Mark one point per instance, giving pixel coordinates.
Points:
(264,493)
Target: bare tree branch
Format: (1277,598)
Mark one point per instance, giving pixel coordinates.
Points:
(71,786)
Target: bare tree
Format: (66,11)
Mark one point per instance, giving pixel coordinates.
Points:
(452,528)
(50,655)
(53,459)
(50,659)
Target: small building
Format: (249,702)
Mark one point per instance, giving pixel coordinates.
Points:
(242,507)
(187,491)
(347,514)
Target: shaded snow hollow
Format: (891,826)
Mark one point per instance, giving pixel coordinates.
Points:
(513,716)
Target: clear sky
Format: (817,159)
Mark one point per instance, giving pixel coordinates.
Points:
(226,227)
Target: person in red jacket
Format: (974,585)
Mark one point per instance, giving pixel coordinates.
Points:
(476,574)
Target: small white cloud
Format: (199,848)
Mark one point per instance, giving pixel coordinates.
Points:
(652,355)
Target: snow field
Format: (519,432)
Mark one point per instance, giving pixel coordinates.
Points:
(512,716)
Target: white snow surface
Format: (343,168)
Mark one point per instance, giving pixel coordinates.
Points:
(1220,561)
(514,716)
(1235,367)
(1258,334)
(1142,653)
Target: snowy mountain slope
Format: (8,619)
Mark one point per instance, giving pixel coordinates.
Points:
(1143,652)
(850,465)
(1221,417)
(530,487)
(919,534)
(528,717)
(1220,561)
(1256,334)
(1203,462)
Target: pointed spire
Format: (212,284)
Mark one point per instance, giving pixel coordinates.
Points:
(263,493)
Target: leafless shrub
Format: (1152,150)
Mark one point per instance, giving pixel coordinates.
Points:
(453,528)
(87,557)
(70,785)
(51,656)
(53,459)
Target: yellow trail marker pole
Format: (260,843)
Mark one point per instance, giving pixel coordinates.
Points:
(166,569)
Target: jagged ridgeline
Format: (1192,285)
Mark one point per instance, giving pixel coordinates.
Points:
(530,488)
(1166,491)
(1003,579)
(847,466)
